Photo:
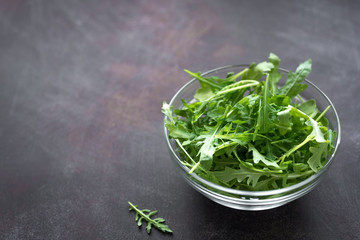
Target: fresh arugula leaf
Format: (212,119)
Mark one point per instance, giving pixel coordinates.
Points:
(239,174)
(284,121)
(316,131)
(204,93)
(293,85)
(257,157)
(256,71)
(264,110)
(331,137)
(179,131)
(146,215)
(318,152)
(208,149)
(167,110)
(274,74)
(308,107)
(204,81)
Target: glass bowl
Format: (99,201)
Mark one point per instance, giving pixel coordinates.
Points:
(253,200)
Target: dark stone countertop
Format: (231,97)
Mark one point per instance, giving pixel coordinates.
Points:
(82,84)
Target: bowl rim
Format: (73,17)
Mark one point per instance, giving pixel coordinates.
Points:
(255,193)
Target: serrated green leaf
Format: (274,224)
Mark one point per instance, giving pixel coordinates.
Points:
(316,132)
(240,174)
(146,215)
(293,85)
(318,153)
(179,131)
(207,151)
(167,110)
(257,157)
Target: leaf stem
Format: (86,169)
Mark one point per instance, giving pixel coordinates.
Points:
(194,167)
(287,154)
(202,79)
(264,115)
(236,88)
(234,77)
(235,136)
(301,99)
(141,213)
(225,145)
(292,176)
(322,114)
(187,154)
(182,148)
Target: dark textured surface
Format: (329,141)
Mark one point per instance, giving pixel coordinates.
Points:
(82,83)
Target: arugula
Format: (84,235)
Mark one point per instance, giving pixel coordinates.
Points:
(239,174)
(146,215)
(293,84)
(257,157)
(275,74)
(246,132)
(315,160)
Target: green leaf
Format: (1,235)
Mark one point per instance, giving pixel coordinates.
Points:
(204,93)
(239,174)
(284,121)
(148,228)
(256,71)
(331,137)
(316,132)
(146,215)
(300,167)
(139,223)
(179,131)
(216,113)
(318,153)
(208,149)
(279,100)
(204,81)
(293,85)
(274,74)
(257,157)
(275,60)
(206,153)
(308,107)
(167,110)
(263,121)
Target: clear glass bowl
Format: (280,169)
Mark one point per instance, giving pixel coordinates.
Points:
(253,200)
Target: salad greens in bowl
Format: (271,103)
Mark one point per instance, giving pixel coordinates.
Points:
(253,136)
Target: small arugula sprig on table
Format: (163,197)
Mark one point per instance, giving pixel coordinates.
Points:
(247,133)
(146,215)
